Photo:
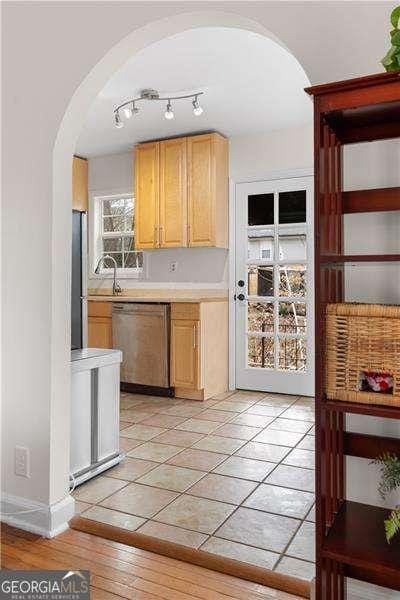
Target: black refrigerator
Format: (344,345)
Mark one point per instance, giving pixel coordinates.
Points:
(79,281)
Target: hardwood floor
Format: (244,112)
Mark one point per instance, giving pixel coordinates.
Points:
(120,571)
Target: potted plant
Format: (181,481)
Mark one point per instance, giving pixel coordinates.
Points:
(391,61)
(390,480)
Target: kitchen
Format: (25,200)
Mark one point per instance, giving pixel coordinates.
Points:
(157,307)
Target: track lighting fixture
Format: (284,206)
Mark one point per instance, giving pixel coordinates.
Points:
(129,108)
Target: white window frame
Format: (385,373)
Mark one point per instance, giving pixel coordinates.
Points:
(96,237)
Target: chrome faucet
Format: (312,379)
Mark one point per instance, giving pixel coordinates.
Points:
(116,288)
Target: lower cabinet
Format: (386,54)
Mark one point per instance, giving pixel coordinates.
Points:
(99,325)
(185,355)
(199,349)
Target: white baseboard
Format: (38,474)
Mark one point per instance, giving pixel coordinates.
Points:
(36,517)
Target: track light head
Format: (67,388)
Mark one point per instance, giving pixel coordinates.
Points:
(117,120)
(169,113)
(128,110)
(197,109)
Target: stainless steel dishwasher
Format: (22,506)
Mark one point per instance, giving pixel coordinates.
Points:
(142,332)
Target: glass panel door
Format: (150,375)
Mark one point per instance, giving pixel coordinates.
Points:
(274,292)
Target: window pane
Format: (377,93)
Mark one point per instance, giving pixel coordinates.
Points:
(129,244)
(292,355)
(116,224)
(112,244)
(292,207)
(260,317)
(261,209)
(292,317)
(292,247)
(260,245)
(260,352)
(114,207)
(260,281)
(133,260)
(117,256)
(292,280)
(129,216)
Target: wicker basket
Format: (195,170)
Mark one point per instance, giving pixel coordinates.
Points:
(361,338)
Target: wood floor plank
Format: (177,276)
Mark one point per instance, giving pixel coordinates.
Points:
(119,589)
(240,588)
(122,572)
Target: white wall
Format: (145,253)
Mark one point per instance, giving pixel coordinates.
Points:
(63,53)
(256,156)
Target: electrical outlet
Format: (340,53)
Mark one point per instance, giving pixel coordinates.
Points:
(22,460)
(173,266)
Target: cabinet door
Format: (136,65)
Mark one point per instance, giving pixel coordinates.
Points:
(146,168)
(100,332)
(79,184)
(201,191)
(185,354)
(173,193)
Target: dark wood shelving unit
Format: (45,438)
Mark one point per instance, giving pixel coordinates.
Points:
(350,539)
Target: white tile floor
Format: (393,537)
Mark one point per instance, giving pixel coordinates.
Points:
(233,476)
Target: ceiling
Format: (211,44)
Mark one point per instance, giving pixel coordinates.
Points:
(251,86)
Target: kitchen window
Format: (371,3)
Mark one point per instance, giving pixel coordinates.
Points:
(115,234)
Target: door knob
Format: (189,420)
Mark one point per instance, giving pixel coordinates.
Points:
(241,297)
(240,283)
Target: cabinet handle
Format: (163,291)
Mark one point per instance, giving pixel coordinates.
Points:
(194,336)
(156,236)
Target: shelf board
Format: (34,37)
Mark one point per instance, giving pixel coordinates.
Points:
(357,538)
(369,446)
(372,410)
(358,258)
(374,200)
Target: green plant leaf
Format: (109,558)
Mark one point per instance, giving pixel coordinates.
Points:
(395,16)
(396,38)
(388,58)
(392,524)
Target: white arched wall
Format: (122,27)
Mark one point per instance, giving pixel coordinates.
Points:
(61,213)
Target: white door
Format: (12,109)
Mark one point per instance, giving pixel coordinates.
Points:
(274,286)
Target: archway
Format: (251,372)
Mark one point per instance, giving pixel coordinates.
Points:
(61,209)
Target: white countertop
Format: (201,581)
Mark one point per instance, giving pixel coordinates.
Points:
(160,295)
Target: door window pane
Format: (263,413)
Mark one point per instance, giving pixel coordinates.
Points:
(292,280)
(260,352)
(260,245)
(292,317)
(292,247)
(292,355)
(292,207)
(260,281)
(261,209)
(260,317)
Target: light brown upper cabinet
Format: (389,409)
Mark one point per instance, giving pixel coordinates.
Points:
(147,194)
(80,184)
(181,192)
(173,193)
(208,190)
